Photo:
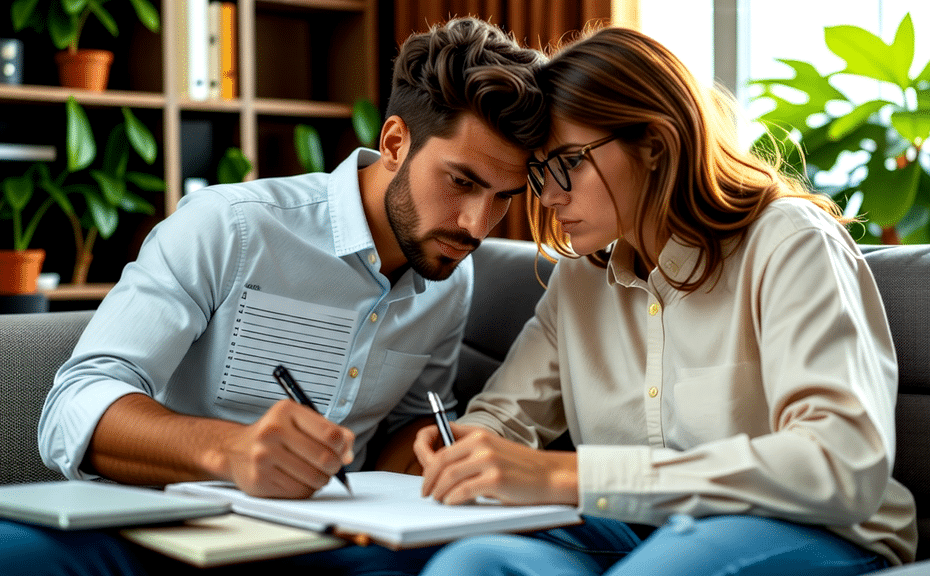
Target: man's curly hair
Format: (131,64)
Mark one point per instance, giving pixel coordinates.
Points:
(468,65)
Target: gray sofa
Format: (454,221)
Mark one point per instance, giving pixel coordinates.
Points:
(33,346)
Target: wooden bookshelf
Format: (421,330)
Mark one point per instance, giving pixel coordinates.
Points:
(278,87)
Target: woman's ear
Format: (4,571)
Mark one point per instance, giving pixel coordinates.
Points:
(651,149)
(394,143)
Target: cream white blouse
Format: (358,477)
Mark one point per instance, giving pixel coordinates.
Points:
(769,391)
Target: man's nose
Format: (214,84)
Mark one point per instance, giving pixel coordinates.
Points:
(477,215)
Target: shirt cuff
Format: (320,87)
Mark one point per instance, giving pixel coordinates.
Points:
(612,481)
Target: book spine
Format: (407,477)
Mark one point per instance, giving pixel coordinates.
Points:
(213,64)
(198,49)
(229,69)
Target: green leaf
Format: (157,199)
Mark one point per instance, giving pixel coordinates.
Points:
(62,28)
(81,147)
(233,167)
(105,17)
(309,147)
(147,14)
(116,152)
(810,83)
(74,7)
(912,125)
(855,118)
(113,189)
(136,205)
(367,122)
(924,76)
(18,191)
(867,55)
(140,137)
(888,194)
(21,13)
(105,215)
(146,182)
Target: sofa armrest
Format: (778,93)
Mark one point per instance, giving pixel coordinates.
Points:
(32,348)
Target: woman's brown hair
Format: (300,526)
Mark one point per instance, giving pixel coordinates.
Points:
(704,190)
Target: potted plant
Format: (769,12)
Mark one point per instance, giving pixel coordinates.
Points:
(888,135)
(64,20)
(21,265)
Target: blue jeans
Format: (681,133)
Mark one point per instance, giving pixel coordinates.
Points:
(32,551)
(714,546)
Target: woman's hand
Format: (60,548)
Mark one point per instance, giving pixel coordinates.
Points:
(481,463)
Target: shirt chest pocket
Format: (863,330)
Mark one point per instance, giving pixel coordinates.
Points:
(398,372)
(716,402)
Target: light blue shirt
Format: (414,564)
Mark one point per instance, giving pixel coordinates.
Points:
(166,326)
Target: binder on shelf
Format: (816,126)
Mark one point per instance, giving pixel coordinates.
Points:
(213,61)
(197,49)
(229,69)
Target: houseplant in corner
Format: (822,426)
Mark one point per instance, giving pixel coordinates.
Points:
(106,190)
(887,161)
(64,20)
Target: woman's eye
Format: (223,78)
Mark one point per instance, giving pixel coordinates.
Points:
(461,182)
(572,162)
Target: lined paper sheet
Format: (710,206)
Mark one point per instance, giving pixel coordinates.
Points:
(312,340)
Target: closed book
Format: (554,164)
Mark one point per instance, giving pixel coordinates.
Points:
(229,539)
(229,69)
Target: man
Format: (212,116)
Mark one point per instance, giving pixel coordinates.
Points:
(150,395)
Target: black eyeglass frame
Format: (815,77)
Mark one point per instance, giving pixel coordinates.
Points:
(537,170)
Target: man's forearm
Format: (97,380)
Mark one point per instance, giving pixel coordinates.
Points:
(139,441)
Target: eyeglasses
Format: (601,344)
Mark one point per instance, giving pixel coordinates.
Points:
(560,168)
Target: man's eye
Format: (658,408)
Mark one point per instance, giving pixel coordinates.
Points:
(461,182)
(572,162)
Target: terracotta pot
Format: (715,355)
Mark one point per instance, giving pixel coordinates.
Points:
(85,69)
(19,270)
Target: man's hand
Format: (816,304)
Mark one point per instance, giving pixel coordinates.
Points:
(290,452)
(481,463)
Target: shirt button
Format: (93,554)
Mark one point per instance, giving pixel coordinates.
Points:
(353,372)
(653,309)
(653,392)
(602,503)
(372,257)
(373,317)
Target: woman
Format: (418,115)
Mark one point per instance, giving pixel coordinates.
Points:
(724,365)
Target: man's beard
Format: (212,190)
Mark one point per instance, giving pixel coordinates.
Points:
(404,220)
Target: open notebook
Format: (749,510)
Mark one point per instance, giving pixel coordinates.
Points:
(76,505)
(388,508)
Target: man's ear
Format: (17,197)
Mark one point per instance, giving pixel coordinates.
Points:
(652,148)
(394,143)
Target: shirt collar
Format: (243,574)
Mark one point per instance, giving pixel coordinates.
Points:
(679,261)
(347,215)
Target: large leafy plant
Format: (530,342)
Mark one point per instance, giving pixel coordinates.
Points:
(890,172)
(104,190)
(65,19)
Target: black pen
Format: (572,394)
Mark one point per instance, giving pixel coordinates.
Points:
(439,411)
(284,378)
